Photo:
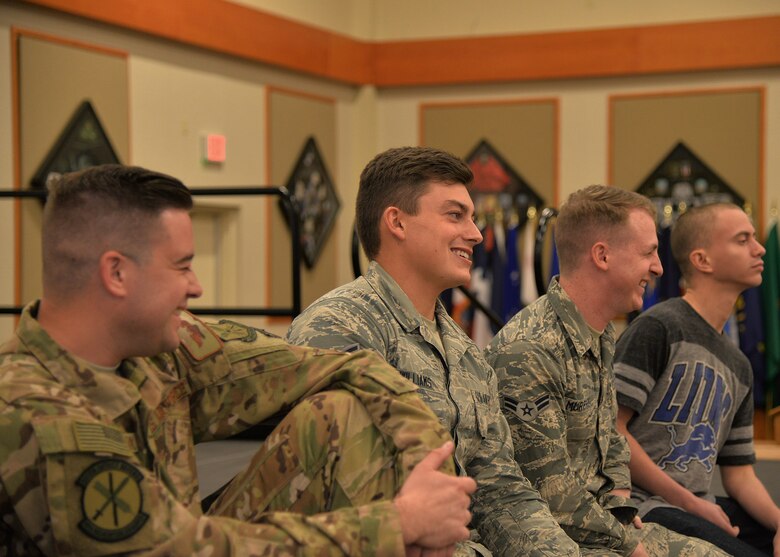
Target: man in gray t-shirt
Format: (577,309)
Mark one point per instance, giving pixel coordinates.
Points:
(685,393)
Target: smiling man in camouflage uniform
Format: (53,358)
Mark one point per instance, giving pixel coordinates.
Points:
(414,218)
(554,363)
(108,384)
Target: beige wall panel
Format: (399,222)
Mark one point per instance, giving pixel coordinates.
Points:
(584,115)
(722,128)
(357,142)
(292,119)
(408,19)
(412,19)
(53,80)
(346,17)
(525,134)
(192,102)
(7,263)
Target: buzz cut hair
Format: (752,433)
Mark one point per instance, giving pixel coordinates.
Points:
(692,231)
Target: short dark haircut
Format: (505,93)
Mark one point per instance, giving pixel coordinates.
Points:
(397,178)
(591,211)
(693,230)
(98,209)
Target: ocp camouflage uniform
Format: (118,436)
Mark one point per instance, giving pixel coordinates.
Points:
(99,462)
(558,394)
(456,382)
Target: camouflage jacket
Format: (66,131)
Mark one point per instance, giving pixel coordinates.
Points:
(373,312)
(68,431)
(558,394)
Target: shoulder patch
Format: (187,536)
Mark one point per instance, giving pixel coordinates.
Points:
(526,410)
(232,330)
(197,339)
(111,501)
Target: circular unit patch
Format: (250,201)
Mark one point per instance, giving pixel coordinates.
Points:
(111,501)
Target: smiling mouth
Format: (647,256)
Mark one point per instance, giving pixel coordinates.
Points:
(462,254)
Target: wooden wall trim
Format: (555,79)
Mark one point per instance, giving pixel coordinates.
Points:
(254,35)
(714,45)
(235,30)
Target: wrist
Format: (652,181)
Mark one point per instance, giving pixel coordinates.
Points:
(684,499)
(408,527)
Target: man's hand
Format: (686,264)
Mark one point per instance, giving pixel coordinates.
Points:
(639,551)
(712,512)
(434,506)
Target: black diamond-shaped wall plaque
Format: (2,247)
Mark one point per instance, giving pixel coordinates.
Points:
(493,175)
(684,179)
(83,143)
(315,196)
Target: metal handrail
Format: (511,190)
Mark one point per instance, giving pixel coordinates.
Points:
(541,231)
(288,205)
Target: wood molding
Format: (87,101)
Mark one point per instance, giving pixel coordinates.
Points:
(626,51)
(235,30)
(246,33)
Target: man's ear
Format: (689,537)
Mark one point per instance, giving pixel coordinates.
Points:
(393,221)
(114,268)
(599,253)
(700,261)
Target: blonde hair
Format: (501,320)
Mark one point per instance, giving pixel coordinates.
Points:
(591,212)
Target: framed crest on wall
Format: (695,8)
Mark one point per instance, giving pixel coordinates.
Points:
(683,179)
(493,175)
(83,143)
(315,196)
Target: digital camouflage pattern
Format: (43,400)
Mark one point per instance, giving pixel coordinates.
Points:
(558,394)
(373,312)
(99,462)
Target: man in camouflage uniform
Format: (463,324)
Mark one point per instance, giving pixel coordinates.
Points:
(108,384)
(414,218)
(554,364)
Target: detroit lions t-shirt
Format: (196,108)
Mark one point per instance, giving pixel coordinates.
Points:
(691,390)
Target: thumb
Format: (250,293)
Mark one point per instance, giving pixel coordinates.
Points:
(437,457)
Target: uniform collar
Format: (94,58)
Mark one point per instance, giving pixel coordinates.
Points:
(404,312)
(394,297)
(575,325)
(114,394)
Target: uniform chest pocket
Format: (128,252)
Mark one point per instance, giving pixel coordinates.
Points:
(581,419)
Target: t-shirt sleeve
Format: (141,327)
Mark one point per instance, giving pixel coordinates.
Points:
(739,449)
(641,353)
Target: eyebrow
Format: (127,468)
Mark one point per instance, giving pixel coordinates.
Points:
(462,206)
(186,259)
